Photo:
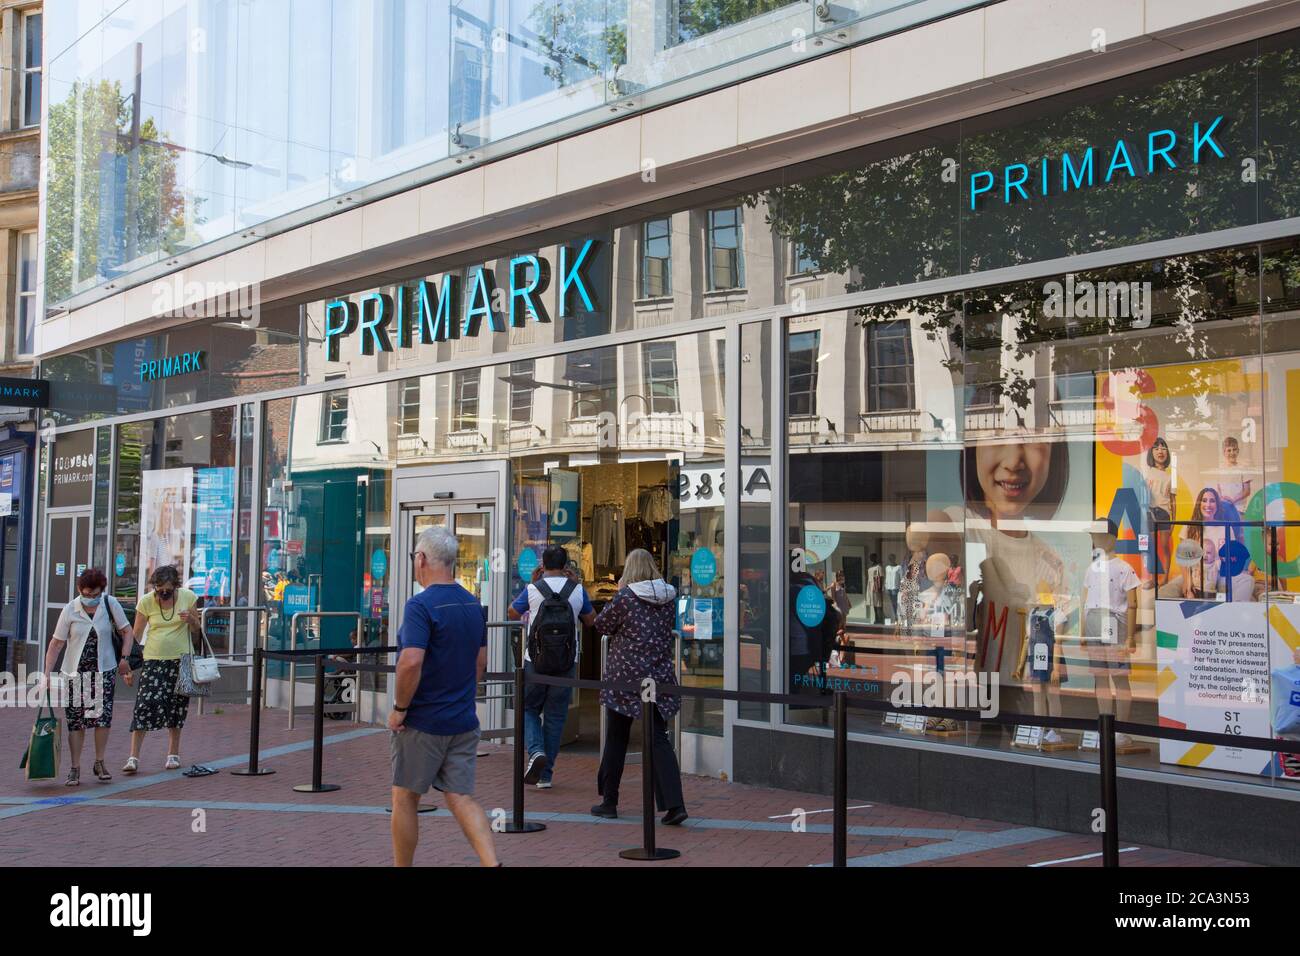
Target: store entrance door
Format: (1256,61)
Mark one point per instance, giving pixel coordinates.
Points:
(465,500)
(67,547)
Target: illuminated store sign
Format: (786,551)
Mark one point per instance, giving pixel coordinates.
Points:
(1083,170)
(171,365)
(434,311)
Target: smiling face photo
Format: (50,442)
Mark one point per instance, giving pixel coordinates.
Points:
(1011,475)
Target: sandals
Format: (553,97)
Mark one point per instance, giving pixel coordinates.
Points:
(101,772)
(132,765)
(173,762)
(74,777)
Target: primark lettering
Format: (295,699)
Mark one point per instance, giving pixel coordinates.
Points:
(434,312)
(1160,153)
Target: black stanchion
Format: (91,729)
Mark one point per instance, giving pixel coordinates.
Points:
(255,723)
(317,736)
(841,827)
(518,824)
(1109,791)
(648,850)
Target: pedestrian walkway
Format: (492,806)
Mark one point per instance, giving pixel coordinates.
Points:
(160,818)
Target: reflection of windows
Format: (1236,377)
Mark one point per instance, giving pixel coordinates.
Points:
(408,407)
(656,258)
(803,372)
(31,69)
(659,362)
(802,262)
(697,18)
(334,414)
(726,263)
(465,395)
(26,304)
(889,364)
(521,396)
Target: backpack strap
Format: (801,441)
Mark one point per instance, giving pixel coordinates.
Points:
(568,588)
(543,588)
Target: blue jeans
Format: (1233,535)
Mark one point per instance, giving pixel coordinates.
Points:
(546,708)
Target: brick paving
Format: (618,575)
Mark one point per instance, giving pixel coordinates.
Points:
(150,819)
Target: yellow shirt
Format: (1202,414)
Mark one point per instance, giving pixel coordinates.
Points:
(169,636)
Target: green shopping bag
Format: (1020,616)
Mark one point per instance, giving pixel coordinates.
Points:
(41,758)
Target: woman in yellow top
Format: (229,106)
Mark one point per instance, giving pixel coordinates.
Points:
(169,611)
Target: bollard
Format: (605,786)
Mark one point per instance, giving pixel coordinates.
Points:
(841,827)
(1109,791)
(318,736)
(648,850)
(518,824)
(255,723)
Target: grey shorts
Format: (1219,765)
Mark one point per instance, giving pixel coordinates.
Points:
(422,760)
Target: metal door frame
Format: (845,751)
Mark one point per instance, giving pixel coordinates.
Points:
(463,483)
(46,605)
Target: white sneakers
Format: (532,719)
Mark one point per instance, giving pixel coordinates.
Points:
(132,765)
(173,762)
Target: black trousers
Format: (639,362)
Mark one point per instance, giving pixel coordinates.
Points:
(668,778)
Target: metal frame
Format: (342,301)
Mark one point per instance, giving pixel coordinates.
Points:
(293,665)
(256,637)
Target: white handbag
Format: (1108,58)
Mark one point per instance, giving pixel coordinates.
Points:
(199,670)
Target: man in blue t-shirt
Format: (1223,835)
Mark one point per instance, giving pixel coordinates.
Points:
(546,707)
(435,727)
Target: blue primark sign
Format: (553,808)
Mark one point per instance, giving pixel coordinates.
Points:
(171,365)
(1160,150)
(440,312)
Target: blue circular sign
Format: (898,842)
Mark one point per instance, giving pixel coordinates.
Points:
(527,564)
(704,567)
(378,564)
(119,564)
(810,605)
(273,560)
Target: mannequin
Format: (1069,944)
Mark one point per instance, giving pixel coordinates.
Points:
(875,591)
(940,611)
(893,578)
(1041,664)
(1109,628)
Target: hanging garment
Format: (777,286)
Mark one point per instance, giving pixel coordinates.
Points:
(608,536)
(655,505)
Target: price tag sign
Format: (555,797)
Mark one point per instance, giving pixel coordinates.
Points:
(1041,662)
(1109,633)
(1091,740)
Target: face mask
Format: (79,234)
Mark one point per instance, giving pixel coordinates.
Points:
(92,602)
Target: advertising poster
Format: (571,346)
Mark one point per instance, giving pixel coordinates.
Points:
(165,522)
(1212,662)
(214,513)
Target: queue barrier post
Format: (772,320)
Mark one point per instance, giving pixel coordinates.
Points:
(841,819)
(318,736)
(517,823)
(255,722)
(648,850)
(1109,791)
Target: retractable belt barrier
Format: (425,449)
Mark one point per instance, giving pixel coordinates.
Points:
(838,701)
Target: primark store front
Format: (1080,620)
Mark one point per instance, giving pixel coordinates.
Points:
(1011,396)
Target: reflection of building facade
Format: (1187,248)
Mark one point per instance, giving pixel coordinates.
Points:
(872,424)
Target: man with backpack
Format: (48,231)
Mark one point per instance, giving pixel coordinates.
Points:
(555,603)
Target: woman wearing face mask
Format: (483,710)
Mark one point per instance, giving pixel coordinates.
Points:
(85,628)
(172,617)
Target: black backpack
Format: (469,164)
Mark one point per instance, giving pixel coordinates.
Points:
(551,634)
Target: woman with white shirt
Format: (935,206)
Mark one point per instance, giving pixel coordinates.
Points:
(85,628)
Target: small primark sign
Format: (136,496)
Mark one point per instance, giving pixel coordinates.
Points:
(171,365)
(24,392)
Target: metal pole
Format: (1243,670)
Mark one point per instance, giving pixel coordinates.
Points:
(255,722)
(518,824)
(318,736)
(1109,791)
(841,820)
(648,850)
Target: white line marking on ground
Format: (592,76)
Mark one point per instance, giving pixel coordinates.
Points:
(808,813)
(1086,856)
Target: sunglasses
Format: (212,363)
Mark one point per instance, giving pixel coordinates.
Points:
(165,595)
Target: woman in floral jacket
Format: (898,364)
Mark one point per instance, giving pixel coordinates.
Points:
(639,622)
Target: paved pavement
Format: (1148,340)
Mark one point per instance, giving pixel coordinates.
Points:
(162,818)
